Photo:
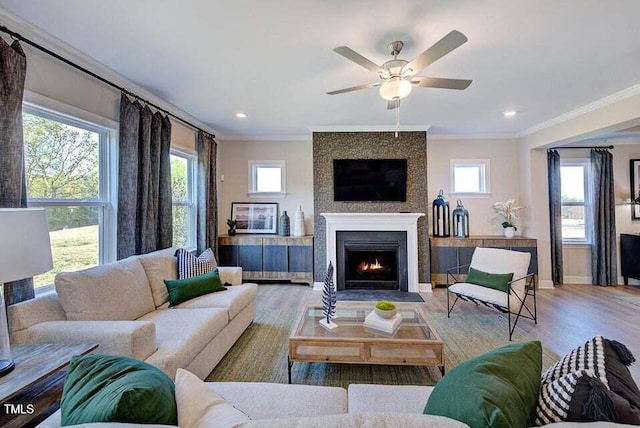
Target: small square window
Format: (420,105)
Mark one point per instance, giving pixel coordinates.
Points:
(470,177)
(267,178)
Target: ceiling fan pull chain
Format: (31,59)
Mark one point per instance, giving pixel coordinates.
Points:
(397,118)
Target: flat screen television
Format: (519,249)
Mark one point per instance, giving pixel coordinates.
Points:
(370,180)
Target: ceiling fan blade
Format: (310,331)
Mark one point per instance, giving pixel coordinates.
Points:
(354,56)
(354,88)
(445,45)
(393,104)
(438,82)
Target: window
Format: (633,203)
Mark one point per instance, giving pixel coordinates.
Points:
(67,172)
(574,178)
(267,178)
(470,176)
(184,199)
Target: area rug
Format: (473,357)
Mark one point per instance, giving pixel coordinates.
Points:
(375,295)
(629,299)
(260,355)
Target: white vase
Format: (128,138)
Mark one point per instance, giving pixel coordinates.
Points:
(298,222)
(509,232)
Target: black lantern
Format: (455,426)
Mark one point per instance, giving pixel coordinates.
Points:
(440,214)
(460,221)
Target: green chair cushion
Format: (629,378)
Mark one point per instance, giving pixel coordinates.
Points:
(109,388)
(496,389)
(498,281)
(181,290)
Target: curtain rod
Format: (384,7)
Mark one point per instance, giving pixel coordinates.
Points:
(17,36)
(581,147)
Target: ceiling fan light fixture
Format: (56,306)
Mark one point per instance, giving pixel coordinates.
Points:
(395,89)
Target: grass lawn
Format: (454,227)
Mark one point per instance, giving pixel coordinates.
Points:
(72,249)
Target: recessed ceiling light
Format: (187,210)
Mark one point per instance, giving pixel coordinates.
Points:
(241,115)
(510,113)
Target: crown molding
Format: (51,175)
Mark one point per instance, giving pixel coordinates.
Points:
(473,137)
(56,45)
(266,138)
(390,128)
(602,102)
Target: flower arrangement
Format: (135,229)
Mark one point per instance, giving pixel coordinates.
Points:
(508,211)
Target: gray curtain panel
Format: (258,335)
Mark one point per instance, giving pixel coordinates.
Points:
(555,214)
(145,221)
(13,188)
(604,262)
(207,223)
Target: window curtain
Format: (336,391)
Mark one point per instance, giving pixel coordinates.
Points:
(13,187)
(604,270)
(145,221)
(207,222)
(555,214)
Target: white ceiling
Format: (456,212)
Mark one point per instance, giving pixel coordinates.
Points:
(273,59)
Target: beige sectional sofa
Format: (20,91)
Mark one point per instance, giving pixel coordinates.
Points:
(123,306)
(282,406)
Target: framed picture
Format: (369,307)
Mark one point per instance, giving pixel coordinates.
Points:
(255,217)
(634,168)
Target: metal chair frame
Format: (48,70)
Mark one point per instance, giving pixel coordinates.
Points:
(530,290)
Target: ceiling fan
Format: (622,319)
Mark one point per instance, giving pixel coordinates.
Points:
(398,76)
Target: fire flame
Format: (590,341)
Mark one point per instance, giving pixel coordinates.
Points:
(364,266)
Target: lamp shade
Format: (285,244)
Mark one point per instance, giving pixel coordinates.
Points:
(395,89)
(25,249)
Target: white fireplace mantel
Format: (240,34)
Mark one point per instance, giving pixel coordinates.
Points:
(407,222)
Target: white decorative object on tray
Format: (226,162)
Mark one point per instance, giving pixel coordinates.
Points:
(298,222)
(386,325)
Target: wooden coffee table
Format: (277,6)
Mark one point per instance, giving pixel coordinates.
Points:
(415,343)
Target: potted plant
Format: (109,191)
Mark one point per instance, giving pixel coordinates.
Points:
(232,226)
(385,309)
(508,211)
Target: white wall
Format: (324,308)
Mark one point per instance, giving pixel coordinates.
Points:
(504,170)
(233,163)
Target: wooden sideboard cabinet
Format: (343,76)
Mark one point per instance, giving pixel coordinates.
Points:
(269,257)
(629,256)
(447,253)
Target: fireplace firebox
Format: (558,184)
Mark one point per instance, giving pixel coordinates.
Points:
(372,260)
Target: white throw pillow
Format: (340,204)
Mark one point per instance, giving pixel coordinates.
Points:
(199,406)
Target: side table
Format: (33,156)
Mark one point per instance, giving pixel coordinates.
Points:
(32,391)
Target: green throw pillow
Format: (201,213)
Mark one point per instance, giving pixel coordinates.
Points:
(497,389)
(109,388)
(498,281)
(181,290)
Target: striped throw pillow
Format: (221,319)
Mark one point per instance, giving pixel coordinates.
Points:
(190,265)
(591,383)
(578,397)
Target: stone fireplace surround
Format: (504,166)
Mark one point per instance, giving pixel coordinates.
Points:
(407,222)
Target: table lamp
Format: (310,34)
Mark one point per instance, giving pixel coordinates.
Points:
(25,251)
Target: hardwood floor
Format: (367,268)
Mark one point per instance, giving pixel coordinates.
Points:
(568,315)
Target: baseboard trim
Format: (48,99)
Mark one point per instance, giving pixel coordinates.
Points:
(424,287)
(576,280)
(545,284)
